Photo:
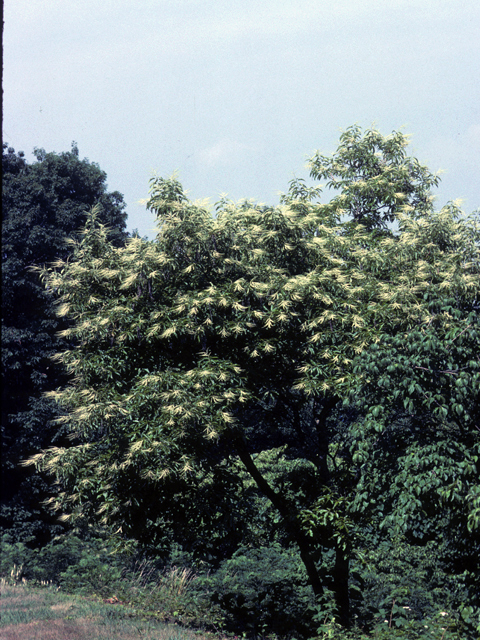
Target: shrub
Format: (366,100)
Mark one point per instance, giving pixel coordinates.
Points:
(78,566)
(15,558)
(263,590)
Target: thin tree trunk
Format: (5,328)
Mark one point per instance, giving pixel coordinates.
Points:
(342,562)
(340,586)
(320,417)
(293,527)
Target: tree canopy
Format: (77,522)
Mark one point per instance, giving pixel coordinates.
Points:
(43,203)
(311,352)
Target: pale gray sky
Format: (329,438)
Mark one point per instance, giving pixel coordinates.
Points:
(236,94)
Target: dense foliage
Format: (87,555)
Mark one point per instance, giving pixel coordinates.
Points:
(295,384)
(42,204)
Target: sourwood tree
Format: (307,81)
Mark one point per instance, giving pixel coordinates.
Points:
(253,333)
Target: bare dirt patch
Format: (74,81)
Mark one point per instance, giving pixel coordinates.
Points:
(49,630)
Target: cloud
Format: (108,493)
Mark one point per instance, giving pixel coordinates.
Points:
(226,152)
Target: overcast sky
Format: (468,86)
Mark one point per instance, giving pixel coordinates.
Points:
(236,95)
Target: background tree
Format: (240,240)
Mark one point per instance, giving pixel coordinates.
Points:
(420,394)
(42,204)
(233,348)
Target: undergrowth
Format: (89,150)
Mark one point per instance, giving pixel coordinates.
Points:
(258,593)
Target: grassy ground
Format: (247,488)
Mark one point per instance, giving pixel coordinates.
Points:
(47,614)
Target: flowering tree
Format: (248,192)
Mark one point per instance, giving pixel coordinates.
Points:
(248,331)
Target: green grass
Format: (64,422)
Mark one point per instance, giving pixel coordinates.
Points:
(44,613)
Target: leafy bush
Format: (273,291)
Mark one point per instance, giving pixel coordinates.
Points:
(93,574)
(78,566)
(263,591)
(15,558)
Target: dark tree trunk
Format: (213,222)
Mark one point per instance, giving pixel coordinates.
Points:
(321,413)
(340,586)
(342,563)
(289,519)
